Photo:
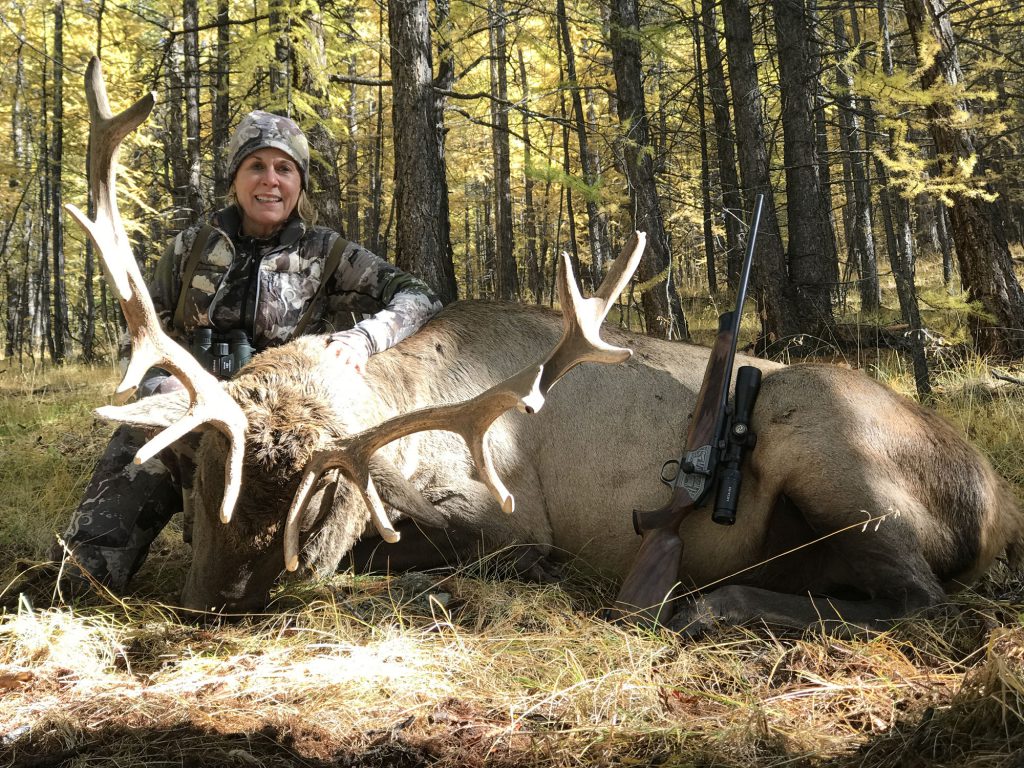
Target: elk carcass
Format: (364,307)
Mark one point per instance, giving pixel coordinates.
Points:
(879,505)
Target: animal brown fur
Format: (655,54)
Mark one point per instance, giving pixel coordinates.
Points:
(881,506)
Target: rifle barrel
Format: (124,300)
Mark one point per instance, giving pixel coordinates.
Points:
(741,294)
(748,261)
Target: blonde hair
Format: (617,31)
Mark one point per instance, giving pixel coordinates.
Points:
(306,209)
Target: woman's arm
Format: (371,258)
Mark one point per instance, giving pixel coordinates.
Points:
(399,303)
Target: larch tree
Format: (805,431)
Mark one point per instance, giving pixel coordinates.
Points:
(422,239)
(533,265)
(725,143)
(596,229)
(310,67)
(194,195)
(707,216)
(43,286)
(983,254)
(811,271)
(660,299)
(860,238)
(770,284)
(900,240)
(506,283)
(221,86)
(61,321)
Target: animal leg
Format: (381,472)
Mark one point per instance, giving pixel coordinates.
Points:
(888,570)
(737,604)
(423,548)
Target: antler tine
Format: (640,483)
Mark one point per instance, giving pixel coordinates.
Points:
(581,340)
(472,418)
(150,345)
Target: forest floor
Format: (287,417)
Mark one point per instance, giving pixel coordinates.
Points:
(463,668)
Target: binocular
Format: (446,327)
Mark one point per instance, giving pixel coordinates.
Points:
(222,356)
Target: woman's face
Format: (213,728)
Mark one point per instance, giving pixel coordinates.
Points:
(267,186)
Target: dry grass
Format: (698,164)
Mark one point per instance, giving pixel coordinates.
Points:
(453,669)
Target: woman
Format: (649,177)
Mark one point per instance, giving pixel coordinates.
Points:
(259,267)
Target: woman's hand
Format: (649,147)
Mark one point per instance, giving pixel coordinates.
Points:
(350,348)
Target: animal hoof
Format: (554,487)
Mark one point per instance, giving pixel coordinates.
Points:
(696,620)
(543,571)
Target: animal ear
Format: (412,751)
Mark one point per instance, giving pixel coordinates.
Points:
(395,491)
(158,411)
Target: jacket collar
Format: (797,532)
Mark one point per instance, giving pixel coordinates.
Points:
(229,221)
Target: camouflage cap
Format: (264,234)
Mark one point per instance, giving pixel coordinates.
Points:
(262,129)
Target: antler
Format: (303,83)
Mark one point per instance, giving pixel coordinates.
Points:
(208,402)
(580,342)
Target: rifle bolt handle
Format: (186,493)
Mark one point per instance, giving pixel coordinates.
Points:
(740,429)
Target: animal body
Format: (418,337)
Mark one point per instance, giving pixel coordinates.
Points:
(897,508)
(857,505)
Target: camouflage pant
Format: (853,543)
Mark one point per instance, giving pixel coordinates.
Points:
(124,507)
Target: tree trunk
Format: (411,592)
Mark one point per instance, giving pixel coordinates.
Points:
(810,269)
(88,323)
(468,273)
(375,181)
(352,172)
(545,223)
(529,210)
(1005,185)
(986,268)
(488,279)
(506,282)
(279,80)
(725,145)
(43,316)
(769,278)
(899,236)
(61,321)
(325,160)
(660,299)
(574,251)
(826,213)
(594,225)
(221,101)
(193,151)
(941,221)
(705,162)
(20,172)
(175,152)
(862,235)
(926,234)
(423,245)
(591,127)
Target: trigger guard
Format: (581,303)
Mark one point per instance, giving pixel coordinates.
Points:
(668,476)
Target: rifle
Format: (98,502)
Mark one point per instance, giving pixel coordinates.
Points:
(717,435)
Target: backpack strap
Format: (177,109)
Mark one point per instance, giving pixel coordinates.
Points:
(202,236)
(330,267)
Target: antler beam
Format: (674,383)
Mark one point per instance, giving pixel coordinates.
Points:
(208,402)
(526,390)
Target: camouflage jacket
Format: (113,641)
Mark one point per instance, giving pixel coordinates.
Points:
(265,286)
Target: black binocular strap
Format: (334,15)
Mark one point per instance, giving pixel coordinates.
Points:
(330,267)
(198,245)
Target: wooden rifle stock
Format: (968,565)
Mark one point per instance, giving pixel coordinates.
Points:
(646,593)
